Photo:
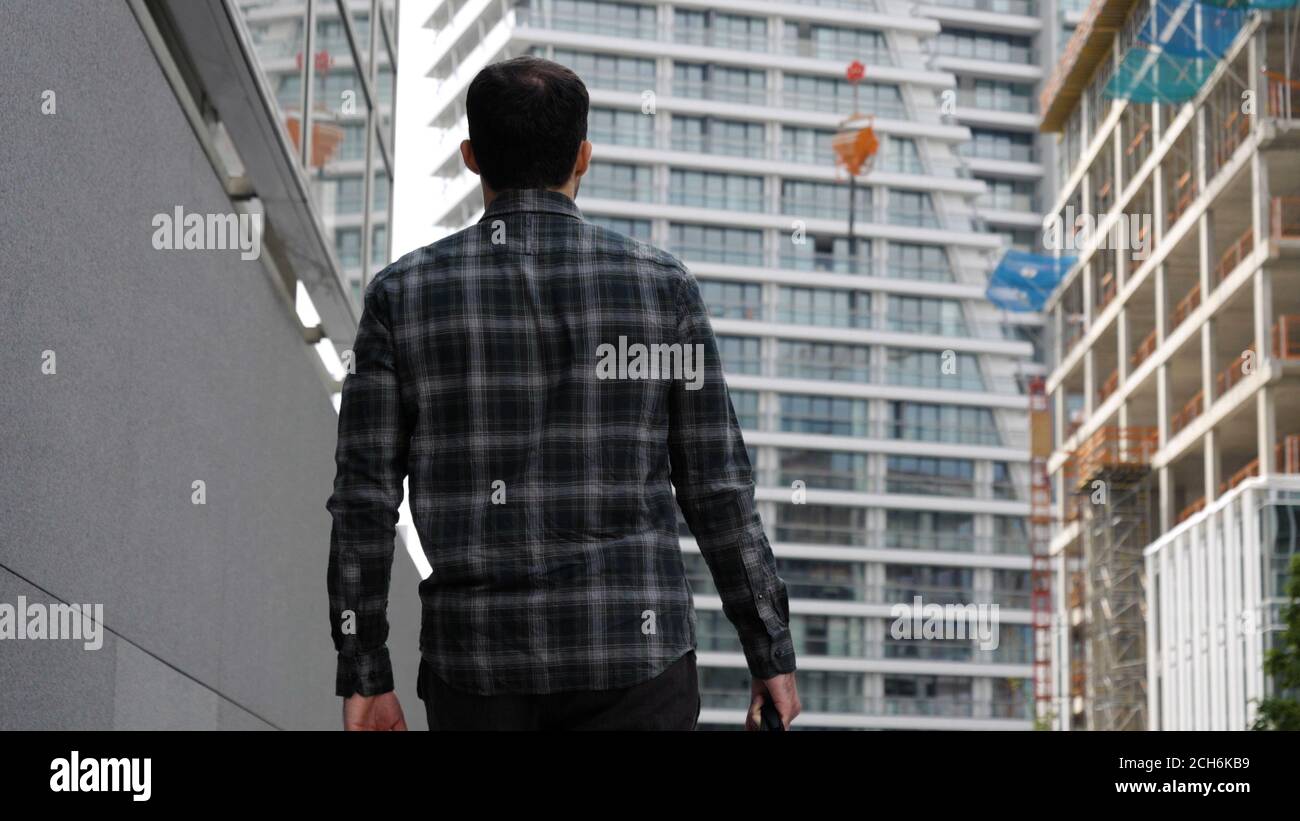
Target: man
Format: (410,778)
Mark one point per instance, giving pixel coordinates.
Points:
(545,383)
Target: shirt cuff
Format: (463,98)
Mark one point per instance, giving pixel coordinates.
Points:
(367,674)
(771,654)
(770,657)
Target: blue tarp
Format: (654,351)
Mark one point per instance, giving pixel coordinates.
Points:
(1176,49)
(1252,4)
(1023,281)
(1202,31)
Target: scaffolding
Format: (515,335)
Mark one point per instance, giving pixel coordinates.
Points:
(1115,487)
(1040,536)
(1175,50)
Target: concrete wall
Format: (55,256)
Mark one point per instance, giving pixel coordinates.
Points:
(172,367)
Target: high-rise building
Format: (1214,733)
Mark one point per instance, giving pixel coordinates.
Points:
(882,398)
(1175,359)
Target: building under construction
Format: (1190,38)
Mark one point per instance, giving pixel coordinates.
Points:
(1170,442)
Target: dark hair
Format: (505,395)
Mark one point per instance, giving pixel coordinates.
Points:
(527,118)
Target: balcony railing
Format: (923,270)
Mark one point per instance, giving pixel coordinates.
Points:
(900,539)
(911,485)
(1192,409)
(726,256)
(1011,103)
(610,25)
(788,422)
(821,50)
(1025,7)
(1235,372)
(803,585)
(1144,350)
(1286,458)
(823,207)
(842,104)
(726,641)
(863,374)
(1235,255)
(1191,510)
(721,38)
(1114,448)
(620,81)
(711,144)
(1108,387)
(1283,96)
(915,706)
(721,92)
(985,150)
(829,263)
(1286,218)
(1286,337)
(1185,307)
(1108,289)
(1235,129)
(714,198)
(977,49)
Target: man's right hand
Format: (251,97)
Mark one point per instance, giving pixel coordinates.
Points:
(783,694)
(382,712)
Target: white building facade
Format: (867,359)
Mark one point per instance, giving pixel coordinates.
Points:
(882,397)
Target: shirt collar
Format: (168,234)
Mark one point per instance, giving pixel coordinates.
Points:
(534,200)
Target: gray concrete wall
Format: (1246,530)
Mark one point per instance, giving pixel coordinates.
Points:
(172,367)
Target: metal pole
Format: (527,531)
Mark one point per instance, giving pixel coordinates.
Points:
(308,80)
(392,126)
(367,220)
(853,195)
(853,239)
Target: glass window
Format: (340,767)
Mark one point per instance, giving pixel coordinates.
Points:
(924,262)
(741,354)
(833,470)
(821,524)
(912,208)
(710,189)
(635,228)
(833,307)
(618,126)
(798,359)
(808,145)
(929,530)
(926,315)
(726,299)
(711,243)
(926,422)
(933,369)
(827,200)
(609,70)
(826,415)
(930,475)
(618,181)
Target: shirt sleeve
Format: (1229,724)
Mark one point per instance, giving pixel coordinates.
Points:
(715,490)
(370,459)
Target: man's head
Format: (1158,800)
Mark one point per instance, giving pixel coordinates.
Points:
(527,126)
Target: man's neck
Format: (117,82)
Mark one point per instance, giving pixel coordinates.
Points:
(569,189)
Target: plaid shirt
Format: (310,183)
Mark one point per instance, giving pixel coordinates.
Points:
(542,489)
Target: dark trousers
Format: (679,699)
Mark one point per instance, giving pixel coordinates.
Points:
(669,701)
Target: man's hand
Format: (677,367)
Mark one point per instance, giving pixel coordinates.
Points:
(382,712)
(783,694)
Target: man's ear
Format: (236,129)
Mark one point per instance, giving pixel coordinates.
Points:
(467,154)
(584,158)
